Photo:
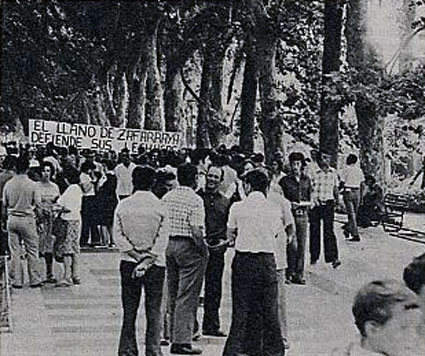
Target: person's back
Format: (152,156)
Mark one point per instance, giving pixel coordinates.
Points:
(21,196)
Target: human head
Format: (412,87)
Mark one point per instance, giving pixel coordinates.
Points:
(279,157)
(414,277)
(297,162)
(247,166)
(87,166)
(187,175)
(143,178)
(387,315)
(73,176)
(221,160)
(215,176)
(369,180)
(9,163)
(165,181)
(258,158)
(90,156)
(324,160)
(125,156)
(414,274)
(3,153)
(22,165)
(314,154)
(351,159)
(108,164)
(256,180)
(47,171)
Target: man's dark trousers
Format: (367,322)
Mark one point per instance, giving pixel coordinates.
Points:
(186,267)
(254,298)
(131,289)
(325,212)
(88,221)
(296,249)
(213,290)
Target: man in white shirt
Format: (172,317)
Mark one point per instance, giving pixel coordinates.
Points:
(20,197)
(123,173)
(254,224)
(352,178)
(142,246)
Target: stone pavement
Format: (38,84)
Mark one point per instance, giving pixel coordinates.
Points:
(85,320)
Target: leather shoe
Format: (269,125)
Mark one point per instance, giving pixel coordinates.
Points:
(336,264)
(354,239)
(38,285)
(346,234)
(184,349)
(217,333)
(298,280)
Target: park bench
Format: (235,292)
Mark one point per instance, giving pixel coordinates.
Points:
(395,205)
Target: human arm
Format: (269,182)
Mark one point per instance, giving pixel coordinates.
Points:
(197,226)
(336,189)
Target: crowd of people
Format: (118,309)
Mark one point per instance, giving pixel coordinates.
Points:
(174,214)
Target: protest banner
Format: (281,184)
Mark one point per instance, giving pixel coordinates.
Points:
(100,138)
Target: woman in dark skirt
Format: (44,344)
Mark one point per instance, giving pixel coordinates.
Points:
(107,201)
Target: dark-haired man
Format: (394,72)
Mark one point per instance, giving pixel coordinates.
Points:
(187,257)
(414,277)
(137,224)
(254,223)
(123,173)
(20,197)
(216,214)
(296,187)
(8,165)
(387,315)
(352,178)
(324,197)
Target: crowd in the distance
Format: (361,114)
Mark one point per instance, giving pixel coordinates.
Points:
(173,215)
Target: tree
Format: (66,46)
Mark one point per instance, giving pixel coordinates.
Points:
(329,110)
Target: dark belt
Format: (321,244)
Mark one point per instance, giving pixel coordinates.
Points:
(180,237)
(351,188)
(326,202)
(254,254)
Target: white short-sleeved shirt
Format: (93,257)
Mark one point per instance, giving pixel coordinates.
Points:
(71,199)
(285,207)
(258,222)
(352,176)
(124,178)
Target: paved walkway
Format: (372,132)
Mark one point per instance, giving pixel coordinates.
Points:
(85,320)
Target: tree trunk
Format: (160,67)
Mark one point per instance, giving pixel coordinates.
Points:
(154,108)
(173,98)
(119,97)
(329,110)
(137,98)
(361,57)
(370,128)
(406,57)
(248,102)
(271,123)
(202,134)
(217,126)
